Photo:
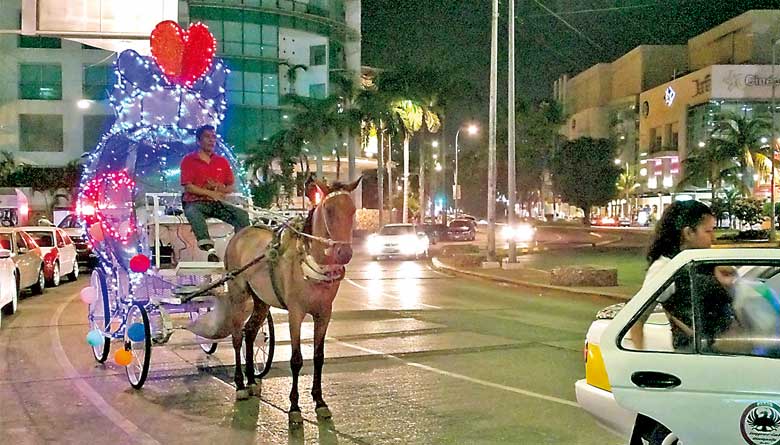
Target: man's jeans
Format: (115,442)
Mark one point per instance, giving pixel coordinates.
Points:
(197,212)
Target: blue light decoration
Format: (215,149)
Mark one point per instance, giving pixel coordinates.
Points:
(156,115)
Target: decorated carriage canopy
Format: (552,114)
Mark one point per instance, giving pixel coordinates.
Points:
(158,102)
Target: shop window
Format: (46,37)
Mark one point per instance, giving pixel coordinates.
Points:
(318,55)
(40,132)
(40,81)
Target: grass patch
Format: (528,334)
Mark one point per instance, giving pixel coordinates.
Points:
(631,264)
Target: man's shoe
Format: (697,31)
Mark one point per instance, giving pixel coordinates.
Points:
(213,257)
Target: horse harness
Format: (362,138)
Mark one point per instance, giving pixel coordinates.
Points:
(312,270)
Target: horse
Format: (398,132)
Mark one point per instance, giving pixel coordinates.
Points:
(301,273)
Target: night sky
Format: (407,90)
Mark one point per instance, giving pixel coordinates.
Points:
(455,34)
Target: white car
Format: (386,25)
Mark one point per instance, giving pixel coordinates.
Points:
(712,381)
(58,251)
(9,291)
(398,240)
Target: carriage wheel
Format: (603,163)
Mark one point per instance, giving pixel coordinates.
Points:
(138,369)
(264,347)
(99,316)
(208,348)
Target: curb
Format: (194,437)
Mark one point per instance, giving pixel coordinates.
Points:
(439,265)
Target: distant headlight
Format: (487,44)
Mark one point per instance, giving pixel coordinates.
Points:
(507,232)
(373,245)
(524,232)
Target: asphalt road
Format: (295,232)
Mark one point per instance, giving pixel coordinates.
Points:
(413,356)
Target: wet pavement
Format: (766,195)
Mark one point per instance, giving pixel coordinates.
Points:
(413,356)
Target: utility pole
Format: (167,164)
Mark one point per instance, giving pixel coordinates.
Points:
(491,210)
(773,145)
(380,176)
(511,167)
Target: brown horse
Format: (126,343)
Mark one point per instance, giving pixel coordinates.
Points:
(302,274)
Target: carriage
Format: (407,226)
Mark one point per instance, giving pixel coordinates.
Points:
(152,279)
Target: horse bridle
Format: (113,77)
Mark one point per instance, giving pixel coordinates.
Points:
(330,242)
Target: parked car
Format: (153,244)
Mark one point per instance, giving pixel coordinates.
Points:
(75,229)
(27,258)
(398,240)
(723,375)
(435,232)
(59,253)
(9,294)
(462,230)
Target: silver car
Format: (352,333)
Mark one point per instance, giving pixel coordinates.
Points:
(27,258)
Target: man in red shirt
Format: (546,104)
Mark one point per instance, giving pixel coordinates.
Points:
(207,179)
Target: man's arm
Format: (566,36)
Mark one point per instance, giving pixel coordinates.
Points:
(212,194)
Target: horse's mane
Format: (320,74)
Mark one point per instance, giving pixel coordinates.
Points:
(337,186)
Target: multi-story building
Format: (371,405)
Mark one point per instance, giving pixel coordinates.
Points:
(53,91)
(671,95)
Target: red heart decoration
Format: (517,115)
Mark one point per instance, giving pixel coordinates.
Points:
(183,56)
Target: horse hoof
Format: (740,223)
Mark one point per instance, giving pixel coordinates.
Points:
(242,394)
(323,412)
(255,390)
(296,417)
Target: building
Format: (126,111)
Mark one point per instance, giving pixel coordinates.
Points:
(53,90)
(659,102)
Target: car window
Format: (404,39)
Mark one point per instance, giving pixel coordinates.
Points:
(5,241)
(713,308)
(42,239)
(460,224)
(60,240)
(65,238)
(20,242)
(28,239)
(396,230)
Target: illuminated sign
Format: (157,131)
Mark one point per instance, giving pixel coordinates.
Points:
(669,96)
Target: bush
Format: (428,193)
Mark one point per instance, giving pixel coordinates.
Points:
(463,249)
(746,235)
(749,211)
(466,260)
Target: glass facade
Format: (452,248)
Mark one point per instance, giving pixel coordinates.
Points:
(702,118)
(40,81)
(39,42)
(246,126)
(97,81)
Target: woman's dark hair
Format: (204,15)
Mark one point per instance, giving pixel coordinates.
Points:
(668,231)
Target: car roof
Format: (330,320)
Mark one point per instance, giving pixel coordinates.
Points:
(10,229)
(39,228)
(399,225)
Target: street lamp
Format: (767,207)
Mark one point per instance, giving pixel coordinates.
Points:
(472,130)
(774,141)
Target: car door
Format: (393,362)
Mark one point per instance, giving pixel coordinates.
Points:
(67,251)
(719,381)
(25,261)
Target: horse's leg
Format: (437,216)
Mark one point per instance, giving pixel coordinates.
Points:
(296,363)
(252,328)
(241,392)
(320,329)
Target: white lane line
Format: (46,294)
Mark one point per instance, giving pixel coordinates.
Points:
(460,376)
(93,396)
(385,294)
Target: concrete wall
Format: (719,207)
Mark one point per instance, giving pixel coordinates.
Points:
(744,39)
(295,47)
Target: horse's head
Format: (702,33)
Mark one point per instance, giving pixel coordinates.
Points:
(332,220)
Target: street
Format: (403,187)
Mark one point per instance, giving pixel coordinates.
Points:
(413,356)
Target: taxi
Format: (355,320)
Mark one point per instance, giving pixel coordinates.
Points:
(703,370)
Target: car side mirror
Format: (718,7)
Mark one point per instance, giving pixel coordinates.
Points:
(5,253)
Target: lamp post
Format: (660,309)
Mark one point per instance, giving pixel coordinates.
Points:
(772,144)
(472,130)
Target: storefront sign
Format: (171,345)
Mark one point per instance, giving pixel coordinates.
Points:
(704,85)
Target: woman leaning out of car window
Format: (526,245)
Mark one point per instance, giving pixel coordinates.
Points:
(684,225)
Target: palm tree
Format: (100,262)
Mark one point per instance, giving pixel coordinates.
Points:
(627,185)
(292,75)
(745,140)
(412,115)
(712,163)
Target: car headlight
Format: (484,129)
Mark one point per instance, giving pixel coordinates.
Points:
(409,245)
(373,244)
(524,232)
(507,232)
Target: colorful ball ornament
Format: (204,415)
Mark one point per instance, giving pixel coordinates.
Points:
(123,358)
(96,232)
(88,295)
(136,332)
(95,338)
(140,263)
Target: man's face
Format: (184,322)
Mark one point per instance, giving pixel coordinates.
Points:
(207,141)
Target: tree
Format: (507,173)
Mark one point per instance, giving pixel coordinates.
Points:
(584,172)
(627,185)
(292,76)
(743,140)
(711,163)
(749,211)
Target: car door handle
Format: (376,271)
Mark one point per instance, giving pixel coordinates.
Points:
(654,379)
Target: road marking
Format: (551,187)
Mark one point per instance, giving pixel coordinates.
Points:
(93,396)
(394,297)
(460,376)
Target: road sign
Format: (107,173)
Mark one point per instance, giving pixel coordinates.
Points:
(456,191)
